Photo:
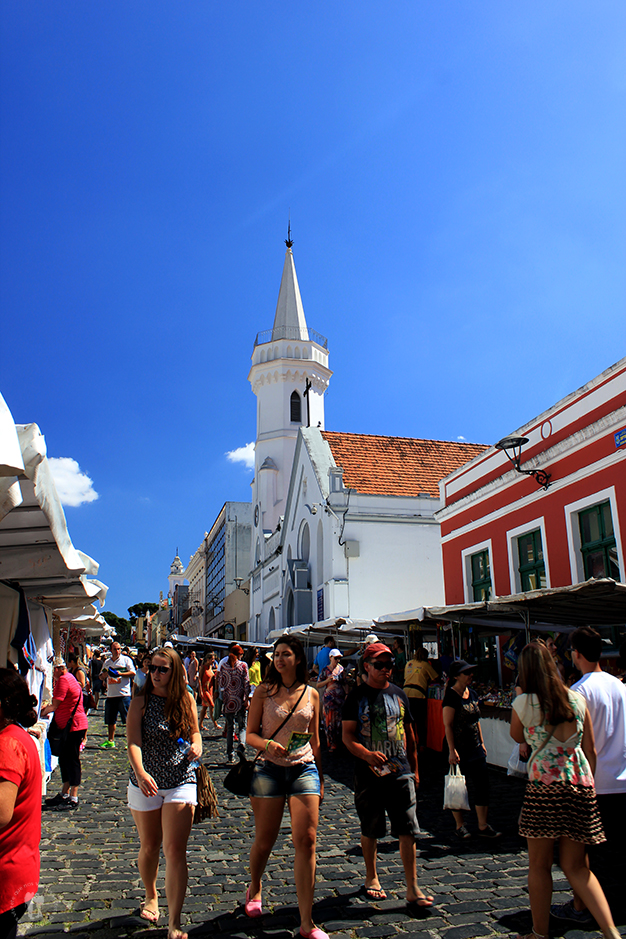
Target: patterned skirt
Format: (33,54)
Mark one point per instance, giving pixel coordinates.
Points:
(559,810)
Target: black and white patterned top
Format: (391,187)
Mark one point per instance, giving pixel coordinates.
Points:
(161,757)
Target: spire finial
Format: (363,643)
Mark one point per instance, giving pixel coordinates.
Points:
(288,240)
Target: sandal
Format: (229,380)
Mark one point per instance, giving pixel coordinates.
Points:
(422,903)
(315,933)
(374,893)
(532,935)
(151,916)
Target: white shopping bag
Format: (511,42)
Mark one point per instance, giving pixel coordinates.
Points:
(455,790)
(517,766)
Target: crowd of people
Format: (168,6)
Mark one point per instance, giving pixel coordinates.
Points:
(573,739)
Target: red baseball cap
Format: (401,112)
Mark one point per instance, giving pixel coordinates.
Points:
(375,649)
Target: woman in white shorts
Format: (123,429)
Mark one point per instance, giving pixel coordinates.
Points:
(162,787)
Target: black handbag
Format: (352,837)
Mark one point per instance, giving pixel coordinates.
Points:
(57,736)
(239,779)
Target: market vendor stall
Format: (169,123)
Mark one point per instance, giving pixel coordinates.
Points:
(491,633)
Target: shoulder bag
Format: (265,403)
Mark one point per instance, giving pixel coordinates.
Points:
(57,736)
(239,779)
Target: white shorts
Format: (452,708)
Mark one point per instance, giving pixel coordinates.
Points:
(188,794)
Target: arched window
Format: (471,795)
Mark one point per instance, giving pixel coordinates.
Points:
(305,543)
(271,623)
(291,610)
(257,552)
(296,408)
(320,553)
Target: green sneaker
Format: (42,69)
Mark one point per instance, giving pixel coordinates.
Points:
(108,745)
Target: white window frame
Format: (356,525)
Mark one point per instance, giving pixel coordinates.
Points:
(515,581)
(572,525)
(466,555)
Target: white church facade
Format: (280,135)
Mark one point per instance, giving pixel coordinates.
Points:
(343,525)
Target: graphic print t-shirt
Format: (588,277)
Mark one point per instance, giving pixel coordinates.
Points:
(382,716)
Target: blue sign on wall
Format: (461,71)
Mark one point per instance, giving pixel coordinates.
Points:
(620,437)
(320,604)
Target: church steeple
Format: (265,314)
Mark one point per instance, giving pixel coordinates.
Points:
(289,376)
(289,321)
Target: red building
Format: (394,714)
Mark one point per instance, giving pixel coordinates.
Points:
(503,533)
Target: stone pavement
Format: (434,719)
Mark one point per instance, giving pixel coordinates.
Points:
(90,885)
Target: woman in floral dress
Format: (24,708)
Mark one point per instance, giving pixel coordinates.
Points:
(334,683)
(560,801)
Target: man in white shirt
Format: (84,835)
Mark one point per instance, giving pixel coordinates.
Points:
(605,697)
(120,672)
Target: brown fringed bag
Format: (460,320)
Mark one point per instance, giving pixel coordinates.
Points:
(207,796)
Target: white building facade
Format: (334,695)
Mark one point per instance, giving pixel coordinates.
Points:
(342,524)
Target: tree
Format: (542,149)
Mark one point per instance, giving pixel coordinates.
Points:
(141,609)
(121,625)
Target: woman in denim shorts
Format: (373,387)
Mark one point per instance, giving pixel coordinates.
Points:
(288,768)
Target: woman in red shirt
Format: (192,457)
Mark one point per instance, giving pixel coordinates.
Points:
(67,700)
(20,801)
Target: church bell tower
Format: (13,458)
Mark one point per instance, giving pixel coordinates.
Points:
(289,376)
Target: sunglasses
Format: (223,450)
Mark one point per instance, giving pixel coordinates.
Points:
(161,669)
(382,666)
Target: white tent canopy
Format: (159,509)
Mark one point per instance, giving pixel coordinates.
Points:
(347,632)
(36,551)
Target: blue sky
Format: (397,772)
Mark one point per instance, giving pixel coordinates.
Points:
(456,178)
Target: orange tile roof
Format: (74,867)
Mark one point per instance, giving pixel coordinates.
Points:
(397,466)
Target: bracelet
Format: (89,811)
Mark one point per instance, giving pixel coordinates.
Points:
(268,743)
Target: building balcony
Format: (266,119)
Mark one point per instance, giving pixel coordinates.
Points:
(293,333)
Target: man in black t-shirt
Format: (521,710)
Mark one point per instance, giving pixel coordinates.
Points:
(378,731)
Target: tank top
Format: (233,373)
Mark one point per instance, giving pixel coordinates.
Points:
(273,716)
(161,757)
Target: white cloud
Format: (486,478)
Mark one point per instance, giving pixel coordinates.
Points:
(243,455)
(460,438)
(73,487)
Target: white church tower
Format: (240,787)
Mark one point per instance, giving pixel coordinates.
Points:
(177,574)
(289,376)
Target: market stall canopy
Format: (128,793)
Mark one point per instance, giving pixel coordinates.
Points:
(36,551)
(596,602)
(347,632)
(208,642)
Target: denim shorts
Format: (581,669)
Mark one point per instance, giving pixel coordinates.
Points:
(271,781)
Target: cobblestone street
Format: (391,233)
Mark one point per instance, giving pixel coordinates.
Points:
(90,884)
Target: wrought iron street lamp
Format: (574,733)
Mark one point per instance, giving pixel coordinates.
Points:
(512,446)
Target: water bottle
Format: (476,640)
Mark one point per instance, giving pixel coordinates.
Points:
(185,747)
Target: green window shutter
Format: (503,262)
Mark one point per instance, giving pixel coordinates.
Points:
(597,542)
(481,576)
(531,563)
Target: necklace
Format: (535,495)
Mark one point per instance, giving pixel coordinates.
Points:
(289,687)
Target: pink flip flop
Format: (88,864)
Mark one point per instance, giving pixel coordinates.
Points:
(315,933)
(253,907)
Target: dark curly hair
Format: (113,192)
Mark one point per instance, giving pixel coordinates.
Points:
(17,703)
